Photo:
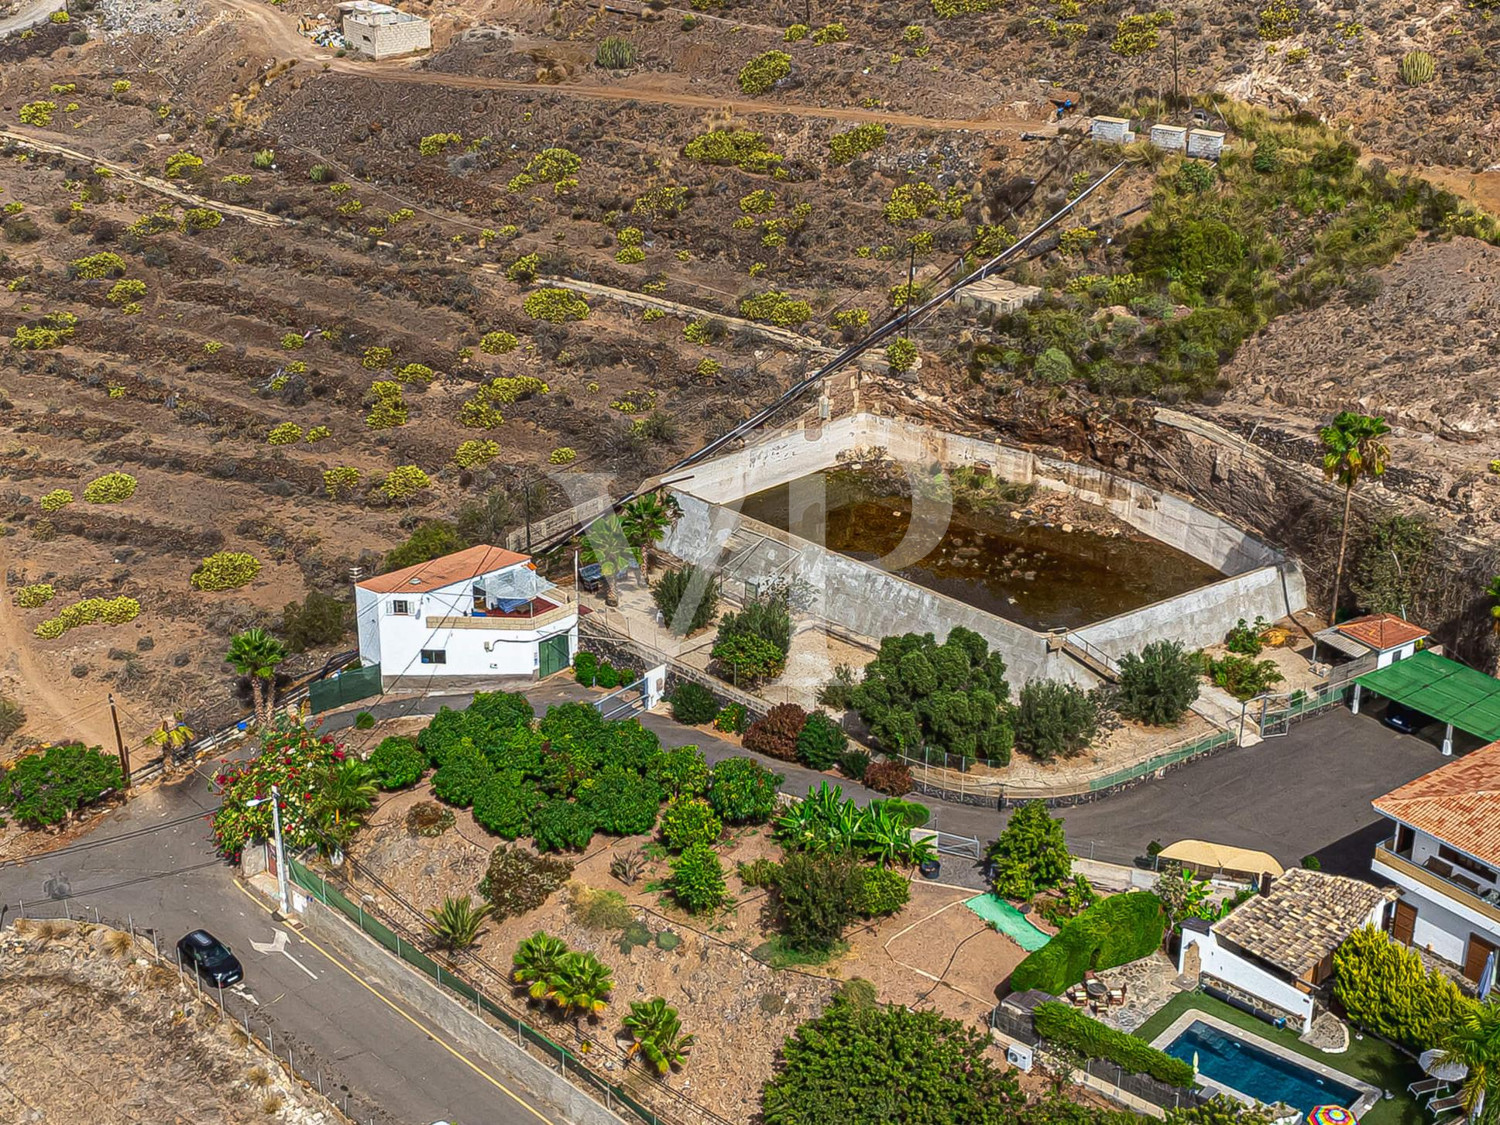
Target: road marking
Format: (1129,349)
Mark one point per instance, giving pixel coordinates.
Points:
(409,1018)
(244,993)
(278,945)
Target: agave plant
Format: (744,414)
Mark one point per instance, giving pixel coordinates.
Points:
(534,962)
(580,984)
(458,921)
(658,1034)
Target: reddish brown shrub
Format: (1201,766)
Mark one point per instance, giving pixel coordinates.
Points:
(892,778)
(776,734)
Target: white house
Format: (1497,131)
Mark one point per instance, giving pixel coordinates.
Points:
(1445,858)
(1375,641)
(1276,950)
(480,613)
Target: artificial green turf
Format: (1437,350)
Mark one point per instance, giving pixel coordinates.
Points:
(1369,1059)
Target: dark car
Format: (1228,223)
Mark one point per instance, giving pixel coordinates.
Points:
(211,958)
(1403,718)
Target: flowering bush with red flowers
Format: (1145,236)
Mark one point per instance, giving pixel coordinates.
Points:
(295,760)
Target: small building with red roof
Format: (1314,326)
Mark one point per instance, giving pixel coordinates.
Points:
(1375,641)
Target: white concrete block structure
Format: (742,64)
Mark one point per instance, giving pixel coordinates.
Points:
(1115,130)
(480,613)
(1445,859)
(1206,144)
(1172,138)
(383,32)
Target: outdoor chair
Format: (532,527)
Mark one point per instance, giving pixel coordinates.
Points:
(1427,1086)
(1116,997)
(1439,1106)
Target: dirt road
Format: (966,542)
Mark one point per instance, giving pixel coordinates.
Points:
(29,16)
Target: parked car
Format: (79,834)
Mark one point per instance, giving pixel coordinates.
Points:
(1400,717)
(211,959)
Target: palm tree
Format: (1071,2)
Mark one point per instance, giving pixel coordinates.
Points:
(1352,449)
(607,544)
(1474,1040)
(646,520)
(347,790)
(534,962)
(458,921)
(658,1034)
(255,653)
(580,983)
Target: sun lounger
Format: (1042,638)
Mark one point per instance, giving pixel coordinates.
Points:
(1439,1106)
(1427,1086)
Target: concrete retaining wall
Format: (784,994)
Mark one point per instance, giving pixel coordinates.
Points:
(486,1043)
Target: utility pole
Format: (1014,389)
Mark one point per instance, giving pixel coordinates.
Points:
(119,742)
(1175,94)
(911,280)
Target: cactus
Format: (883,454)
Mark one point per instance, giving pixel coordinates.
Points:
(1416,68)
(614,53)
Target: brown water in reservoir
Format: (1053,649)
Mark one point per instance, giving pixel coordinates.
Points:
(1020,569)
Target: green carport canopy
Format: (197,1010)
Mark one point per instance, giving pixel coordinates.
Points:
(1444,689)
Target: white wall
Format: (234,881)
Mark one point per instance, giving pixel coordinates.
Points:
(367,623)
(1385,659)
(1443,924)
(1216,961)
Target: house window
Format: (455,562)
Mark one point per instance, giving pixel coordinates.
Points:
(434,656)
(400,608)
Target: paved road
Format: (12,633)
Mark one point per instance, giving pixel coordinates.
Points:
(392,1066)
(29,15)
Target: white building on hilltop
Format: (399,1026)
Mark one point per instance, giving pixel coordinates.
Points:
(381,31)
(480,613)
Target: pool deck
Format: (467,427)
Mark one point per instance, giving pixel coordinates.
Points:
(1368,1094)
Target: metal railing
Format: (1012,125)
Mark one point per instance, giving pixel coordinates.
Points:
(402,929)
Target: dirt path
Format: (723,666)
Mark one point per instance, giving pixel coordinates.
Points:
(29,16)
(51,709)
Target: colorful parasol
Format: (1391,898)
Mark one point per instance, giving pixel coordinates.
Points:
(1331,1115)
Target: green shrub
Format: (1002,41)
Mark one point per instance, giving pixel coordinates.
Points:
(44,788)
(432,539)
(397,763)
(688,821)
(225,570)
(35,595)
(556,306)
(614,53)
(435,143)
(461,775)
(56,500)
(517,882)
(1242,676)
(697,879)
(701,592)
(404,482)
(497,343)
(340,482)
(585,668)
(284,433)
(742,791)
(882,890)
(692,703)
(760,74)
(1063,1025)
(622,802)
(821,742)
(796,33)
(1114,931)
(505,803)
(38,113)
(890,778)
(1031,853)
(1157,684)
(364,721)
(732,719)
(914,814)
(854,764)
(832,33)
(111,488)
(776,734)
(182,164)
(739,147)
(607,677)
(1386,988)
(560,825)
(900,355)
(1417,68)
(817,897)
(263,158)
(844,147)
(1055,720)
(89,611)
(776,307)
(1246,639)
(759,872)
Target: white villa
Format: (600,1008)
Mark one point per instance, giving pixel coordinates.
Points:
(1445,858)
(479,614)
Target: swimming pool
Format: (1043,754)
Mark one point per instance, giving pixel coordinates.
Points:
(1232,1059)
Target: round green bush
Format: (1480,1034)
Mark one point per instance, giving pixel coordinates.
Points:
(607,677)
(561,825)
(681,771)
(697,879)
(821,742)
(461,776)
(225,570)
(881,891)
(586,668)
(689,821)
(760,74)
(364,721)
(111,488)
(505,803)
(692,703)
(397,763)
(622,802)
(742,791)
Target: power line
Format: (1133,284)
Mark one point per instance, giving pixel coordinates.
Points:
(122,838)
(130,882)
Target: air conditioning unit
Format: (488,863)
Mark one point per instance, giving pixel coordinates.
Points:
(1019,1056)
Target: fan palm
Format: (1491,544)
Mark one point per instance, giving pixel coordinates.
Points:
(1474,1040)
(658,1034)
(255,653)
(458,921)
(534,962)
(347,790)
(646,519)
(607,544)
(1352,449)
(580,984)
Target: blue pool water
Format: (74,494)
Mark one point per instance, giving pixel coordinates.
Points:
(1231,1061)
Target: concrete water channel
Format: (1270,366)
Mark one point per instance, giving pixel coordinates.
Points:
(1183,573)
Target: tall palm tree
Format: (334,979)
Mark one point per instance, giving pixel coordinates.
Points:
(580,984)
(1352,449)
(658,1034)
(255,653)
(458,921)
(534,962)
(607,543)
(646,520)
(1474,1040)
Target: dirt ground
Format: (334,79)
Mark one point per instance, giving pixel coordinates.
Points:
(92,1032)
(934,953)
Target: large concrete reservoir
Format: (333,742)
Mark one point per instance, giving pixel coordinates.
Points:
(1231,573)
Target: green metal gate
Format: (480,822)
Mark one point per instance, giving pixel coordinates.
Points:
(344,687)
(553,655)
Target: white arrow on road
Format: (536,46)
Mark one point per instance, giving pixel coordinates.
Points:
(278,945)
(244,993)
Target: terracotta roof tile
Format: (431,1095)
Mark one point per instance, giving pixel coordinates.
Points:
(1382,631)
(457,567)
(1458,803)
(1304,918)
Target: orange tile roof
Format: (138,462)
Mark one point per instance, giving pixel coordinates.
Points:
(1458,803)
(1383,631)
(457,567)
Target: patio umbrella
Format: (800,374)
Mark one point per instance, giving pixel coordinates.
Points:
(1330,1115)
(1437,1064)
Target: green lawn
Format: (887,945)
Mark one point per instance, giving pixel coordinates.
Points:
(1369,1059)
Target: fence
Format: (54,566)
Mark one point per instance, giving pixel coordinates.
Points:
(1278,711)
(344,687)
(395,934)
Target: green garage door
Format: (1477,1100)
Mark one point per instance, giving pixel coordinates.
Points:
(553,655)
